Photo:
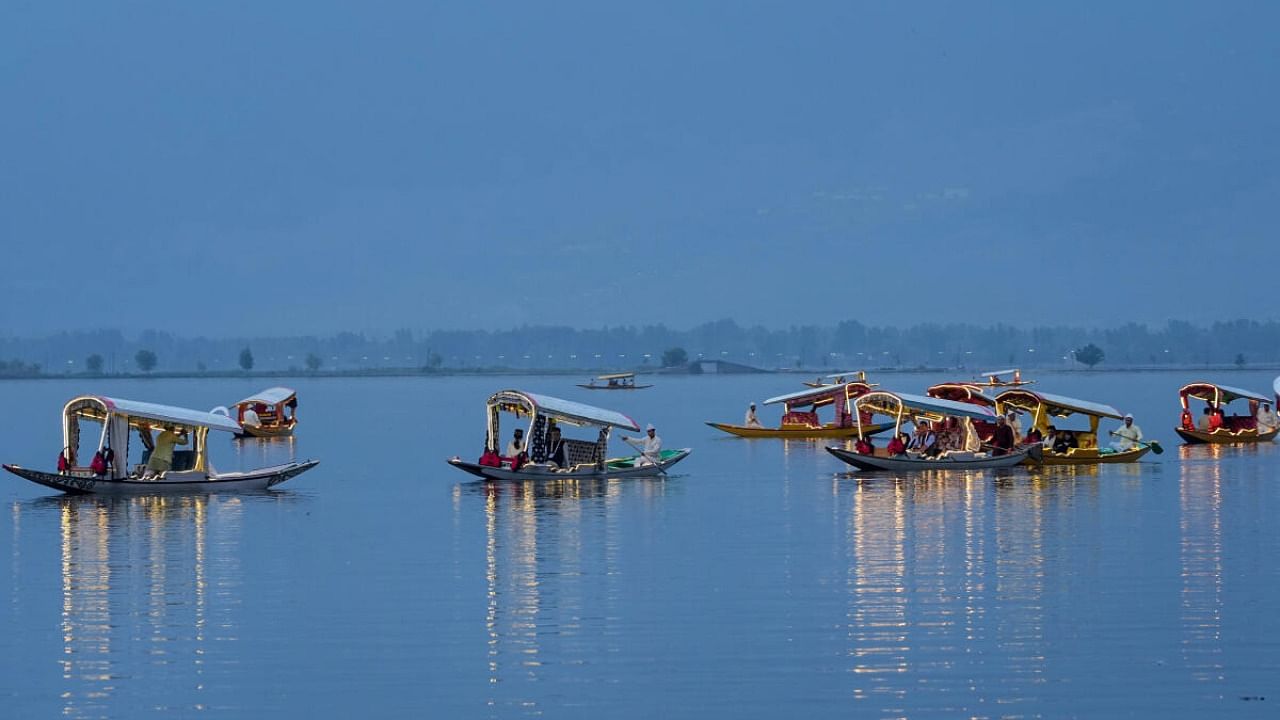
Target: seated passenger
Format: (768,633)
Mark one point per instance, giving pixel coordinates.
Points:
(1205,420)
(1034,436)
(1050,437)
(1003,440)
(898,445)
(1216,420)
(1267,420)
(1188,422)
(555,448)
(1064,441)
(751,420)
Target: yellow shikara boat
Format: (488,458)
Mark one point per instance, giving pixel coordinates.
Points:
(1043,406)
(1251,428)
(800,415)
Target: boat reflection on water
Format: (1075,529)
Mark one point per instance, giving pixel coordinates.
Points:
(567,530)
(164,570)
(945,586)
(252,452)
(1201,562)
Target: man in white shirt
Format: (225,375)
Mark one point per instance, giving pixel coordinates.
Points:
(516,446)
(250,418)
(650,447)
(751,420)
(1128,436)
(1267,420)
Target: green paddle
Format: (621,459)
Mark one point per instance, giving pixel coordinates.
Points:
(1154,444)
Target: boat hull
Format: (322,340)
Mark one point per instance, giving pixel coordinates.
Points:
(799,433)
(913,464)
(617,387)
(260,431)
(1219,437)
(260,479)
(613,469)
(1093,457)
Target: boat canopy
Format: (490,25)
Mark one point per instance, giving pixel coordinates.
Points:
(1219,394)
(860,375)
(616,376)
(889,403)
(568,411)
(97,407)
(270,396)
(818,397)
(1058,405)
(961,392)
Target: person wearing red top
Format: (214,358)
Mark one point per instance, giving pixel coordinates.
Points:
(896,446)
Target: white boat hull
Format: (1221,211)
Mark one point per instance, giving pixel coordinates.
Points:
(259,479)
(543,472)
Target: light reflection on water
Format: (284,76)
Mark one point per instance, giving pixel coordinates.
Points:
(761,580)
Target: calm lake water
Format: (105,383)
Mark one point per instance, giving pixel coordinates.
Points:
(759,580)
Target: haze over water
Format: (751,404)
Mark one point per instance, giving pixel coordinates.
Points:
(760,580)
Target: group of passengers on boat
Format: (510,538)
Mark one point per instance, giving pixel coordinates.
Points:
(1214,418)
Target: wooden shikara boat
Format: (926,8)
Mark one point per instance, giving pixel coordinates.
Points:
(615,381)
(1043,406)
(954,461)
(800,415)
(270,413)
(109,472)
(838,379)
(917,408)
(581,458)
(1258,426)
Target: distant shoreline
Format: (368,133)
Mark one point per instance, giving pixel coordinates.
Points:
(586,374)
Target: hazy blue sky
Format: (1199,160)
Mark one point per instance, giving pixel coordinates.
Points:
(222,168)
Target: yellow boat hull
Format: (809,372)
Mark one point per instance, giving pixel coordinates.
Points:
(1090,456)
(799,433)
(262,431)
(1225,437)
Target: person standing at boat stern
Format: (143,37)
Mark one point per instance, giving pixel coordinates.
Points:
(650,446)
(1128,436)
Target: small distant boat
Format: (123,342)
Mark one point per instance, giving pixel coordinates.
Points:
(614,381)
(905,406)
(1235,428)
(270,413)
(800,415)
(122,421)
(839,379)
(583,458)
(1043,406)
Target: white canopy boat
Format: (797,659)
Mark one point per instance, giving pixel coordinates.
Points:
(108,473)
(581,458)
(905,406)
(269,413)
(614,381)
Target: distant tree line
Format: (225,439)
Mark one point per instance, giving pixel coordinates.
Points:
(846,345)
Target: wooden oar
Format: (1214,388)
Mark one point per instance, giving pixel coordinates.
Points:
(1154,444)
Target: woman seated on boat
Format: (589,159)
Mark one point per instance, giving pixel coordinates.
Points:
(898,445)
(1216,419)
(863,446)
(950,436)
(1034,436)
(1064,441)
(1206,420)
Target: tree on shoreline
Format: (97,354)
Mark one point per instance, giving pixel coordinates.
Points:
(675,357)
(246,360)
(93,364)
(1090,355)
(314,362)
(146,360)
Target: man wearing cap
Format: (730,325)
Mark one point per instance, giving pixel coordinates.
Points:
(752,421)
(650,447)
(1128,436)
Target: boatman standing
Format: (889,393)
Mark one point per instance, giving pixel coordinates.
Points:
(650,447)
(1128,436)
(752,421)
